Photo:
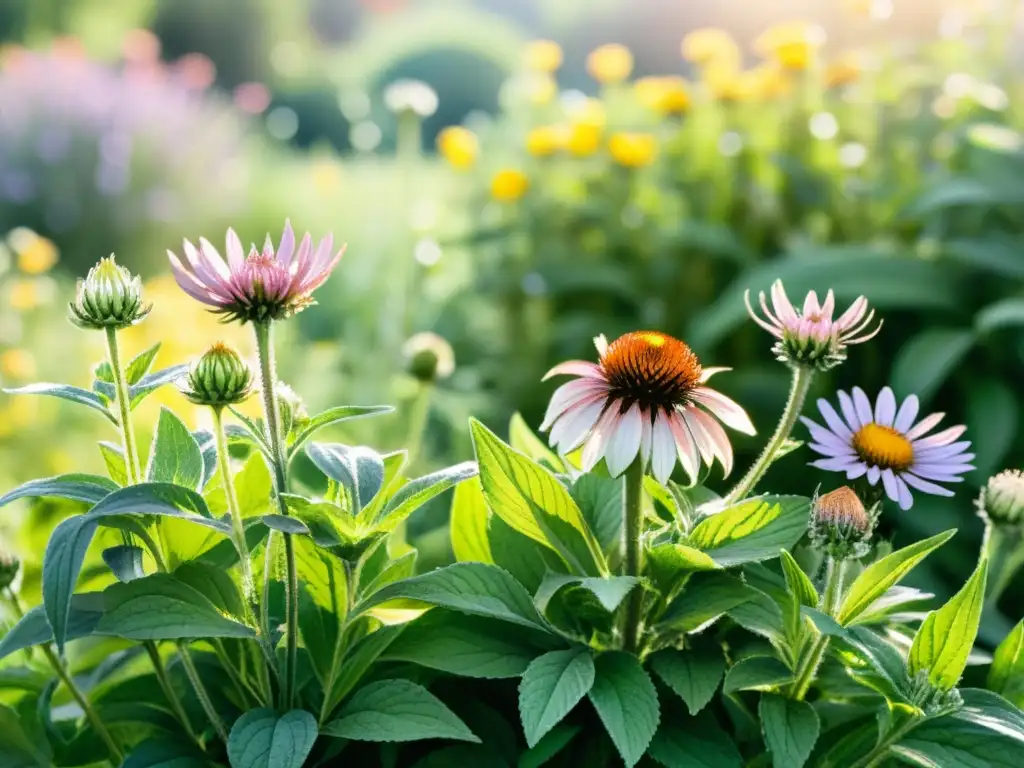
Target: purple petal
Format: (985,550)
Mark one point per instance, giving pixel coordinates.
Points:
(235,251)
(926,487)
(874,475)
(827,450)
(857,471)
(862,405)
(905,499)
(940,451)
(286,249)
(889,482)
(849,412)
(824,437)
(885,407)
(906,415)
(837,464)
(836,424)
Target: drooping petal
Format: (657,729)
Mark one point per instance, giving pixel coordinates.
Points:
(852,316)
(646,435)
(857,470)
(663,447)
(624,444)
(707,373)
(719,441)
(885,407)
(906,414)
(568,395)
(575,368)
(889,482)
(726,409)
(572,427)
(686,446)
(874,475)
(596,445)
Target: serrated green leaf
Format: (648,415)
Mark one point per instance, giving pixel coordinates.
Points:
(696,742)
(707,597)
(33,629)
(360,470)
(609,592)
(532,501)
(551,686)
(329,417)
(396,710)
(753,530)
(693,674)
(878,577)
(67,392)
(523,439)
(790,730)
(76,486)
(553,742)
(758,673)
(254,488)
(468,527)
(263,739)
(950,743)
(1006,677)
(418,492)
(174,456)
(626,702)
(800,585)
(945,638)
(761,615)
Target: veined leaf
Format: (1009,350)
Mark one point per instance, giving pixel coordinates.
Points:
(263,739)
(790,730)
(348,672)
(600,502)
(418,492)
(113,458)
(332,416)
(360,470)
(166,753)
(693,673)
(609,592)
(125,561)
(626,702)
(800,585)
(174,456)
(991,711)
(552,685)
(551,744)
(947,741)
(1006,677)
(76,486)
(696,742)
(523,439)
(151,382)
(33,628)
(753,530)
(707,597)
(758,673)
(67,392)
(468,527)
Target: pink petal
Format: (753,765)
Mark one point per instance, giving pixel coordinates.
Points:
(924,426)
(783,308)
(852,316)
(575,368)
(811,306)
(707,373)
(685,444)
(287,246)
(663,447)
(719,441)
(188,283)
(829,306)
(773,330)
(211,258)
(646,436)
(624,444)
(724,408)
(568,395)
(945,437)
(236,254)
(594,449)
(572,426)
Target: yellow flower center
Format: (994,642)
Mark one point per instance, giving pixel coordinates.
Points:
(884,447)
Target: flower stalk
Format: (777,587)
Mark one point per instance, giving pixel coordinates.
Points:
(834,575)
(201,693)
(632,553)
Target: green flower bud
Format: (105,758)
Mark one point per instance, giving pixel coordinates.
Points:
(428,357)
(9,567)
(220,377)
(290,407)
(840,525)
(110,296)
(929,699)
(1002,498)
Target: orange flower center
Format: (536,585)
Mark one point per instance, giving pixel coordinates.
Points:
(884,447)
(650,368)
(842,507)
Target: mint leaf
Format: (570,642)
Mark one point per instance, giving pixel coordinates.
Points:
(174,456)
(626,702)
(759,673)
(262,739)
(790,730)
(694,673)
(551,686)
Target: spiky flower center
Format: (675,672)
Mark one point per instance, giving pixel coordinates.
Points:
(650,368)
(884,447)
(842,507)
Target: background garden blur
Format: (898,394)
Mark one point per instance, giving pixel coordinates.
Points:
(867,146)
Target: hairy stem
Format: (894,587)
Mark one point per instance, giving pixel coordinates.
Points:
(237,527)
(201,692)
(830,603)
(419,413)
(268,379)
(1005,551)
(131,452)
(632,554)
(873,757)
(801,383)
(168,689)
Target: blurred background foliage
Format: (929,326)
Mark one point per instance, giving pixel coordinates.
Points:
(642,167)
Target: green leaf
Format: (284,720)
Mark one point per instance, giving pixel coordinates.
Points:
(668,563)
(418,492)
(357,661)
(468,527)
(319,629)
(323,576)
(528,562)
(790,730)
(151,382)
(468,646)
(991,711)
(600,502)
(925,362)
(329,417)
(159,607)
(946,742)
(139,365)
(626,702)
(609,592)
(895,600)
(884,659)
(707,597)
(945,638)
(396,710)
(551,686)
(761,615)
(521,438)
(1006,677)
(66,392)
(696,742)
(164,753)
(753,530)
(215,584)
(16,746)
(360,470)
(113,458)
(532,501)
(254,488)
(401,567)
(693,673)
(1006,313)
(125,561)
(263,739)
(174,456)
(878,577)
(551,744)
(758,673)
(998,256)
(800,585)
(992,411)
(76,486)
(33,629)
(473,588)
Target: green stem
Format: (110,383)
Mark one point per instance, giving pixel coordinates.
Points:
(268,379)
(339,646)
(632,554)
(802,377)
(168,689)
(882,748)
(131,453)
(830,604)
(244,690)
(201,693)
(418,416)
(1004,548)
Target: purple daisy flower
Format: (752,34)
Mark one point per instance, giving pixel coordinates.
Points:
(884,443)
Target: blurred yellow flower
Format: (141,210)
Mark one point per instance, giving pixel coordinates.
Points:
(541,89)
(326,175)
(584,139)
(792,44)
(459,146)
(665,95)
(508,185)
(36,254)
(17,364)
(24,295)
(589,112)
(765,82)
(543,55)
(633,150)
(610,63)
(845,69)
(545,140)
(726,83)
(710,46)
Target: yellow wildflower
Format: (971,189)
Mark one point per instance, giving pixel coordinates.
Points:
(36,254)
(545,140)
(543,56)
(710,46)
(726,83)
(765,82)
(633,150)
(589,112)
(584,139)
(459,146)
(23,295)
(792,44)
(508,185)
(17,364)
(610,63)
(844,70)
(665,95)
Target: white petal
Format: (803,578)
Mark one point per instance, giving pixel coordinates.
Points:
(685,444)
(594,448)
(624,444)
(602,345)
(707,373)
(663,447)
(725,409)
(572,426)
(718,440)
(568,395)
(575,368)
(646,435)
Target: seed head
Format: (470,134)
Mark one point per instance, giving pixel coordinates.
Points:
(840,524)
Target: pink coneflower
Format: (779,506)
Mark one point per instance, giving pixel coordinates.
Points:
(646,396)
(811,337)
(884,444)
(265,285)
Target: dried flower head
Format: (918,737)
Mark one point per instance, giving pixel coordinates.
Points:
(840,525)
(220,377)
(109,297)
(1002,498)
(429,357)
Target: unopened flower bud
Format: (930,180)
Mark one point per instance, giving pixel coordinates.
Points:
(428,357)
(220,377)
(840,525)
(411,97)
(290,407)
(9,567)
(109,297)
(1002,498)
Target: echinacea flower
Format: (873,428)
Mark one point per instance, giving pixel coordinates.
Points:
(646,396)
(810,336)
(265,285)
(883,443)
